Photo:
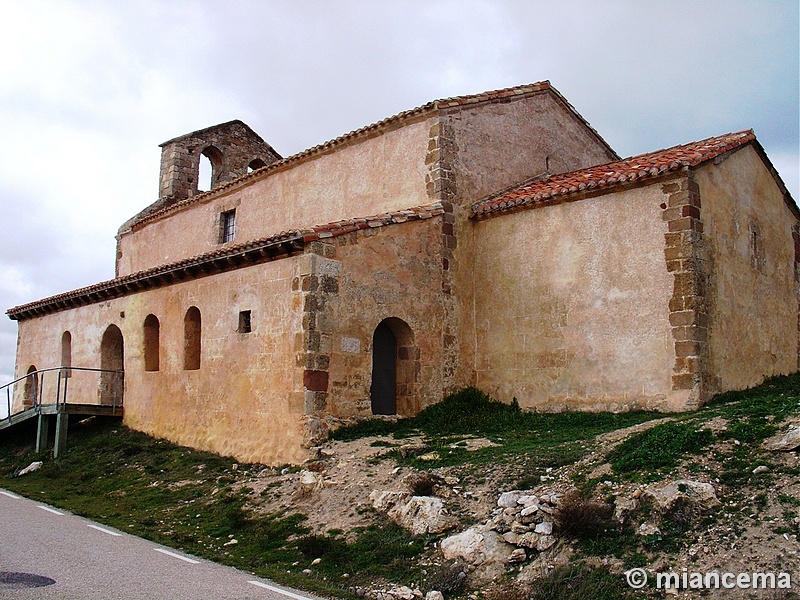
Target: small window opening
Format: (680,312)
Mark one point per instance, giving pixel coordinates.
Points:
(245,324)
(151,343)
(227,225)
(256,163)
(192,330)
(66,353)
(204,176)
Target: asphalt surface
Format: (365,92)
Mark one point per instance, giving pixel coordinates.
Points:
(89,561)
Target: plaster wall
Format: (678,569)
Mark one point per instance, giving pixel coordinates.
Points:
(245,400)
(376,175)
(387,272)
(571,305)
(494,147)
(752,292)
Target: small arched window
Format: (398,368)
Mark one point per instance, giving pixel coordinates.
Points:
(66,353)
(256,163)
(152,330)
(31,391)
(192,339)
(210,169)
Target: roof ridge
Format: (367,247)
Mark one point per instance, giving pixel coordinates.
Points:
(609,175)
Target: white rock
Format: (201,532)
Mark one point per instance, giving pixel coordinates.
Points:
(545,528)
(316,561)
(528,540)
(511,537)
(695,492)
(418,514)
(434,595)
(760,469)
(232,542)
(545,542)
(476,546)
(531,509)
(310,481)
(527,500)
(34,466)
(784,441)
(648,529)
(509,499)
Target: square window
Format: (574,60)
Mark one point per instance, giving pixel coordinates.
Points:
(227,226)
(245,325)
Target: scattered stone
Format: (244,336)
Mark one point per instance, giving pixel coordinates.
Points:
(476,546)
(760,469)
(698,493)
(231,542)
(430,456)
(545,528)
(509,499)
(545,542)
(528,540)
(434,595)
(407,450)
(511,538)
(785,441)
(307,571)
(624,508)
(34,466)
(316,561)
(418,514)
(309,482)
(648,529)
(517,556)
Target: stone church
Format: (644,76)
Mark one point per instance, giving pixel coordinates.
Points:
(493,240)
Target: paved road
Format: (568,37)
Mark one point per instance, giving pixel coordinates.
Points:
(89,561)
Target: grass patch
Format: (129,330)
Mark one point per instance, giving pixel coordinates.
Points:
(647,453)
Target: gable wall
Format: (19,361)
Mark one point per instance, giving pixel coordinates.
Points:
(492,148)
(374,176)
(752,292)
(572,305)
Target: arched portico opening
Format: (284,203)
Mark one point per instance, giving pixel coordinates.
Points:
(112,358)
(395,362)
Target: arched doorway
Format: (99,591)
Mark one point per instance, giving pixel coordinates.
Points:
(112,358)
(395,361)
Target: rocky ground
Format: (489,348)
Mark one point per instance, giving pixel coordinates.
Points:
(496,535)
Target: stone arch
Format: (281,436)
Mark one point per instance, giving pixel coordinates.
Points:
(30,393)
(395,364)
(192,339)
(152,332)
(66,353)
(112,361)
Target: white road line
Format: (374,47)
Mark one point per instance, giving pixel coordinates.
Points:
(178,556)
(108,531)
(50,510)
(10,495)
(272,588)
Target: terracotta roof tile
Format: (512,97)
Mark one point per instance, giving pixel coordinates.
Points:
(559,188)
(223,259)
(387,124)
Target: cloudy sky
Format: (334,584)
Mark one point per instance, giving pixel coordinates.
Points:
(89,89)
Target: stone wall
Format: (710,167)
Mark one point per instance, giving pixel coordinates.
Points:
(353,283)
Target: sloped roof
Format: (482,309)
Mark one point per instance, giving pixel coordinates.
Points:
(388,124)
(232,257)
(604,178)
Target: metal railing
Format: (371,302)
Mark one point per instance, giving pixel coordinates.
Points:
(110,387)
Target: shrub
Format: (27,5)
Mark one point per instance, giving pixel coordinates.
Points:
(450,580)
(583,519)
(580,582)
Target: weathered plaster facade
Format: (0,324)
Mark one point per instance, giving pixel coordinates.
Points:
(492,240)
